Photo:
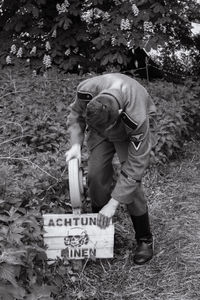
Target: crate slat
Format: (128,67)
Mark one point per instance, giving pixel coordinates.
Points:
(78,236)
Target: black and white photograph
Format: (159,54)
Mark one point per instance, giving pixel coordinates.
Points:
(100,150)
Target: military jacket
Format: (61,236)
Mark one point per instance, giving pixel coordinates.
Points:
(132,125)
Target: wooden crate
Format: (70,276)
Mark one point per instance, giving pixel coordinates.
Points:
(78,235)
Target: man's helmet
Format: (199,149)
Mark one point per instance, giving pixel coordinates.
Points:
(102,111)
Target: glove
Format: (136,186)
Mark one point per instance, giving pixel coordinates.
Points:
(73,152)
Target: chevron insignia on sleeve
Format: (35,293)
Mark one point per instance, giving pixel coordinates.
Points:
(136,141)
(85,96)
(136,144)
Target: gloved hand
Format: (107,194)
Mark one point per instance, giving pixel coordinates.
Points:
(73,152)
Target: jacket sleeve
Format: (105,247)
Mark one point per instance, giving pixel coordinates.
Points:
(137,161)
(76,121)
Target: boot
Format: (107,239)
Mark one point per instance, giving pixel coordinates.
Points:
(144,249)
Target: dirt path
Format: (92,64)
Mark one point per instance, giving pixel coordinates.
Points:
(174,272)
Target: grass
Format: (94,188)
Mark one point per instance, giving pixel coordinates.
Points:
(33,175)
(173,273)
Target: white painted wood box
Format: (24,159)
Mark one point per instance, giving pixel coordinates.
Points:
(78,236)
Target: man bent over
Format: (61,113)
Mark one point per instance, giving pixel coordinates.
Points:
(113,111)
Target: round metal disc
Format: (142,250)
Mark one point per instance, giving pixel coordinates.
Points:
(75,183)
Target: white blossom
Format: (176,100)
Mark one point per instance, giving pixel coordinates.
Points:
(66,2)
(33,50)
(34,73)
(98,13)
(130,43)
(54,34)
(113,41)
(87,16)
(58,7)
(63,8)
(8,60)
(148,26)
(125,24)
(47,61)
(20,52)
(106,16)
(13,49)
(135,10)
(68,52)
(47,46)
(76,50)
(163,28)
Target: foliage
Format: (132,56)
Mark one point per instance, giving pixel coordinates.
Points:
(33,177)
(177,117)
(179,62)
(32,180)
(92,34)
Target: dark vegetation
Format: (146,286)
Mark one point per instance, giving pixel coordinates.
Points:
(99,35)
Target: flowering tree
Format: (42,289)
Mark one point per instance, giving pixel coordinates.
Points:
(91,34)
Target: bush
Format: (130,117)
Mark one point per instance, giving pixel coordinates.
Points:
(33,181)
(90,35)
(177,117)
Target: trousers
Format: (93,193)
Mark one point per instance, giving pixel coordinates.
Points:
(100,177)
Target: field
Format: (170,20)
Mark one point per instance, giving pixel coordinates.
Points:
(33,181)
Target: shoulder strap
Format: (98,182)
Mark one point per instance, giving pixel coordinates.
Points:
(85,96)
(128,121)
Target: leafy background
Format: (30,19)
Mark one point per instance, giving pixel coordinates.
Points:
(98,35)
